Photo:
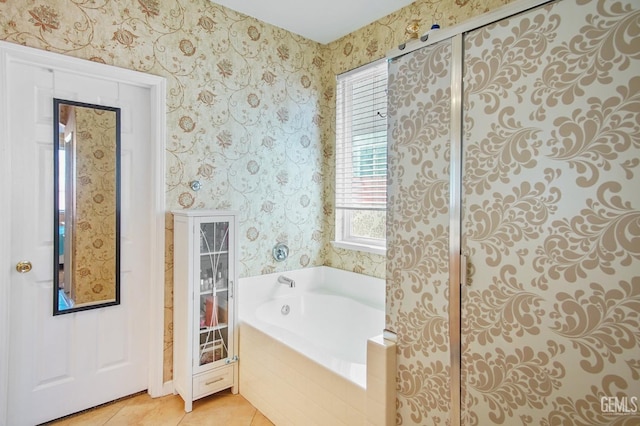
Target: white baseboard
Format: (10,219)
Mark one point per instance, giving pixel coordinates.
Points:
(166,389)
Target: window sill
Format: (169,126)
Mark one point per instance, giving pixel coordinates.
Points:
(360,247)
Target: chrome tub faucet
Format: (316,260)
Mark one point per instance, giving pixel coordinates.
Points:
(286,281)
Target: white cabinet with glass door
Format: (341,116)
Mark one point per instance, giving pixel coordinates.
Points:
(204,311)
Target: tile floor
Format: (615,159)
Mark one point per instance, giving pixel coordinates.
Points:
(221,409)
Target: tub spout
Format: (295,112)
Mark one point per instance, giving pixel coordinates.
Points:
(286,281)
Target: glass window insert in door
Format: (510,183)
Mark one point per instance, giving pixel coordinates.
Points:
(213,299)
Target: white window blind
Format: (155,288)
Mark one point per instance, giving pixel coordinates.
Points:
(361,138)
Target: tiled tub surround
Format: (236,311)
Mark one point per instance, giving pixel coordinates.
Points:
(315,375)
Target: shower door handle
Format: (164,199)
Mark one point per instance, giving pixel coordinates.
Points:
(464,259)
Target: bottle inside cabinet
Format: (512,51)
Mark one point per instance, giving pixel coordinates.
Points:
(214,272)
(214,256)
(213,311)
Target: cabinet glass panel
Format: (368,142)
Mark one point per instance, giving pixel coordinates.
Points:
(214,237)
(214,271)
(213,345)
(213,290)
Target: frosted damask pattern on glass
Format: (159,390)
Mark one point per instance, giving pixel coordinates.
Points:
(418,231)
(551,142)
(551,215)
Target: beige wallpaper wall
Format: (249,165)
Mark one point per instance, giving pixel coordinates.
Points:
(250,109)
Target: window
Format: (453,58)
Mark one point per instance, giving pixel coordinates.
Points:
(361,158)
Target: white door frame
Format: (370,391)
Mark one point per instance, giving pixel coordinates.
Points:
(10,52)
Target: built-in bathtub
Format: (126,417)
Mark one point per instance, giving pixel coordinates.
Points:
(303,349)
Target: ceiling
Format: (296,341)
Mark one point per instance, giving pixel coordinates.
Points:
(322,20)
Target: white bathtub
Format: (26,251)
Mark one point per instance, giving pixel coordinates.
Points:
(330,329)
(316,352)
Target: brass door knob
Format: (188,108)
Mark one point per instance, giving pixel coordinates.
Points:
(23,266)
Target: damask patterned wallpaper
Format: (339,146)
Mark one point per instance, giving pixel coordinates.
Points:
(250,109)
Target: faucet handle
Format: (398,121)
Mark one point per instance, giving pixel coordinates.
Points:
(280,252)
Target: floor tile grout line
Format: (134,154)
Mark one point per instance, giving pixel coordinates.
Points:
(139,405)
(115,402)
(253,418)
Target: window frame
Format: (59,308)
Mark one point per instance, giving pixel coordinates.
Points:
(343,214)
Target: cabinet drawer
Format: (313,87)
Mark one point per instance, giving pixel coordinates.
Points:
(212,381)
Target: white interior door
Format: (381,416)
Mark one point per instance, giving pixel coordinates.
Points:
(63,364)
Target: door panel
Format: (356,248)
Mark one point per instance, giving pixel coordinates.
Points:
(418,232)
(550,317)
(71,362)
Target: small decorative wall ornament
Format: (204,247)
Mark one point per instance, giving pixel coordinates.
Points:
(412,31)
